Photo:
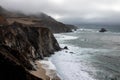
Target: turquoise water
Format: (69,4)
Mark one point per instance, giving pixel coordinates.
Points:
(91,55)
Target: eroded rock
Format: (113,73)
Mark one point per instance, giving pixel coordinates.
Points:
(20,46)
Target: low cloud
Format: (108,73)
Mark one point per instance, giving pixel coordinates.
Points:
(70,11)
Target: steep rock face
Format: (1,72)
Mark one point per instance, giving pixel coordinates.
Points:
(11,68)
(20,46)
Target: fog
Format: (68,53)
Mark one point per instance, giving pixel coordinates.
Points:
(70,11)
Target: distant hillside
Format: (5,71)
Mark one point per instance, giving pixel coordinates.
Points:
(7,13)
(37,20)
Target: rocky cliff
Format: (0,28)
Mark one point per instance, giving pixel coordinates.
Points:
(20,46)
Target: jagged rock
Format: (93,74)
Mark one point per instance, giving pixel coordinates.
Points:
(65,47)
(20,46)
(11,67)
(102,30)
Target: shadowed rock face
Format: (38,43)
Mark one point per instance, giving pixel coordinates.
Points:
(20,46)
(12,68)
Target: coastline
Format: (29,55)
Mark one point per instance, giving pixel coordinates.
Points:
(43,71)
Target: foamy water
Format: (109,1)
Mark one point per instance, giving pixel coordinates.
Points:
(49,67)
(64,37)
(70,68)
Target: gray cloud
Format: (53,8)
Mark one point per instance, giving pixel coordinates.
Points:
(70,11)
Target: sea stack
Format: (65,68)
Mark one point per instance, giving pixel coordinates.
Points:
(102,30)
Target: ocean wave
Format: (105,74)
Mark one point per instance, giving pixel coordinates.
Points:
(86,30)
(70,66)
(64,37)
(87,63)
(50,68)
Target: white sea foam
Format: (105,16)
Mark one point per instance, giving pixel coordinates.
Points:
(69,67)
(47,64)
(50,68)
(64,37)
(82,62)
(74,63)
(86,30)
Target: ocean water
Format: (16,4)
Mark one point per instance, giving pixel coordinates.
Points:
(91,55)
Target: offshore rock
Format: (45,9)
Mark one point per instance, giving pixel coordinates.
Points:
(102,30)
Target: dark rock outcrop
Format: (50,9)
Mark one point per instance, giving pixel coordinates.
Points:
(102,30)
(65,47)
(20,46)
(11,68)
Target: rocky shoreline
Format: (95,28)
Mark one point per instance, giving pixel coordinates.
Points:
(45,73)
(24,40)
(21,46)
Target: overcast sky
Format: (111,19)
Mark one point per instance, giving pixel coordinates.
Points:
(70,11)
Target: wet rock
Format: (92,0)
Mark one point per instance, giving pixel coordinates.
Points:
(65,47)
(102,30)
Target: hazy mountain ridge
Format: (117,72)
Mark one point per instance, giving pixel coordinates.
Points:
(39,20)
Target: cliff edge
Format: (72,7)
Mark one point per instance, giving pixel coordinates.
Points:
(20,46)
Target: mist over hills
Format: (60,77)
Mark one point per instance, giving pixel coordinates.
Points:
(38,20)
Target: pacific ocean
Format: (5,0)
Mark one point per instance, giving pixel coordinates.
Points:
(91,55)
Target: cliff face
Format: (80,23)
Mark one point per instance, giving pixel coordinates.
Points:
(20,46)
(11,68)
